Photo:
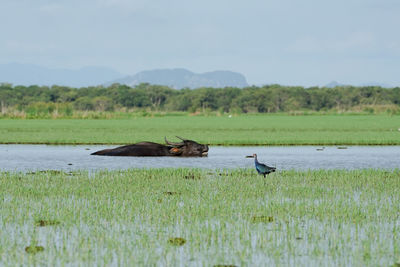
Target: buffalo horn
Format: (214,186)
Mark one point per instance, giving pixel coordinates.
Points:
(181,138)
(171,143)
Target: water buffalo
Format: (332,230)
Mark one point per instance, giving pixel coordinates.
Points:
(186,148)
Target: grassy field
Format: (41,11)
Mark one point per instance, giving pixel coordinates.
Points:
(190,217)
(223,130)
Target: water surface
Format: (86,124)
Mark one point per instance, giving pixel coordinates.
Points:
(45,157)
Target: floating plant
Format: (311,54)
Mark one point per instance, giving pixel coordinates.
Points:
(34,249)
(177,241)
(262,219)
(42,223)
(171,193)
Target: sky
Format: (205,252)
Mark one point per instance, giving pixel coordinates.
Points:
(307,42)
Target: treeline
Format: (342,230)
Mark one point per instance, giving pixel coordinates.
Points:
(264,99)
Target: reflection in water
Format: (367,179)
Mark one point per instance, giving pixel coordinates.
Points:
(44,157)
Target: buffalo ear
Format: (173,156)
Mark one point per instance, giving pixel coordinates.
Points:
(175,151)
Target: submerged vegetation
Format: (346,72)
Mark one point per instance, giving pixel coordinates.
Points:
(125,218)
(119,101)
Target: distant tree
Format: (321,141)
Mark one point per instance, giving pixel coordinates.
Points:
(84,103)
(102,103)
(269,98)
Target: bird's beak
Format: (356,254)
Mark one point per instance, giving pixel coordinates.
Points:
(249,156)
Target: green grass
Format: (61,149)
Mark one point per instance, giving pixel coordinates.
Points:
(182,217)
(237,130)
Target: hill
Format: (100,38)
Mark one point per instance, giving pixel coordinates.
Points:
(182,78)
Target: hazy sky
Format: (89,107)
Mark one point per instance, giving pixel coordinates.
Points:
(304,42)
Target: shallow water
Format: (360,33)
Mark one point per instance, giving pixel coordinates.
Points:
(44,157)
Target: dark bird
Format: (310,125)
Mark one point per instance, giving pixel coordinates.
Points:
(262,168)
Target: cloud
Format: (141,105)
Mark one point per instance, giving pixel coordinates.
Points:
(394,46)
(31,47)
(51,8)
(124,5)
(306,45)
(353,41)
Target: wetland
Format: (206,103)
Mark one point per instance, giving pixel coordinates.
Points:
(333,201)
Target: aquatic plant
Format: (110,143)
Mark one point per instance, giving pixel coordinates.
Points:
(177,241)
(123,217)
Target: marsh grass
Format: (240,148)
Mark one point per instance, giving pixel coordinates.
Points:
(307,218)
(237,130)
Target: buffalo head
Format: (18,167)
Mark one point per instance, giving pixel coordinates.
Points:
(187,148)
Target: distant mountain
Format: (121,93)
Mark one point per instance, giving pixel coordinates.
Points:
(182,78)
(28,74)
(334,84)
